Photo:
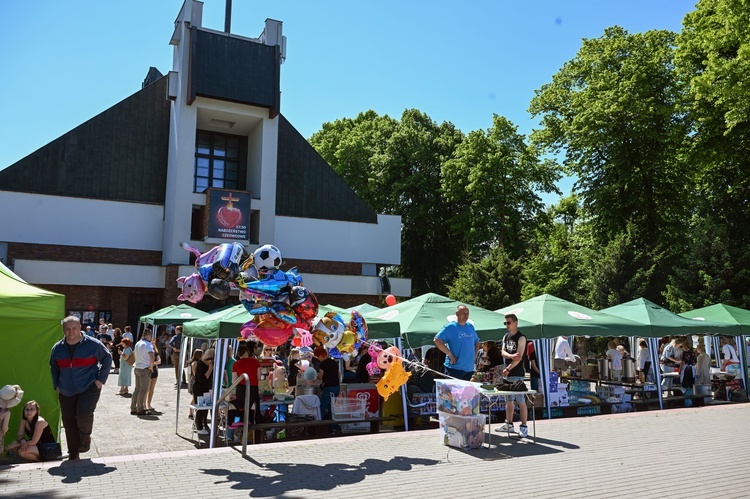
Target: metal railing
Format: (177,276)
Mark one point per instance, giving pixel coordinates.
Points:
(244,377)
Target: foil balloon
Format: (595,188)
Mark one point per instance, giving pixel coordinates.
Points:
(193,288)
(392,380)
(327,330)
(347,343)
(304,303)
(219,289)
(388,357)
(358,325)
(273,332)
(248,329)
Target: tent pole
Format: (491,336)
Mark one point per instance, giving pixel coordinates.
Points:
(403,389)
(653,344)
(742,356)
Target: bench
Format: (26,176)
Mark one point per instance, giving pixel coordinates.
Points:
(670,402)
(259,430)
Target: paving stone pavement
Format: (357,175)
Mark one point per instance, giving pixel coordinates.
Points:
(694,452)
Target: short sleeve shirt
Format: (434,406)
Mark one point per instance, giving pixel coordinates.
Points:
(461,341)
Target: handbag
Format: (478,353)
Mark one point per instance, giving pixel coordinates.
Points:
(131,358)
(49,451)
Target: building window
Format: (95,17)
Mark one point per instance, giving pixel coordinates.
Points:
(217,161)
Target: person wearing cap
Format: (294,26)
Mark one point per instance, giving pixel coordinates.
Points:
(10,396)
(80,366)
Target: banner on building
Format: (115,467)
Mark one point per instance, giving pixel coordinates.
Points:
(228,214)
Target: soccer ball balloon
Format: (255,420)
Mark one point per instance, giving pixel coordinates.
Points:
(267,257)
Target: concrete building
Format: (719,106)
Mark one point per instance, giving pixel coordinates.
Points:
(100,213)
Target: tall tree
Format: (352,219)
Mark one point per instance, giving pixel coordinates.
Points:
(497,179)
(713,58)
(614,111)
(395,167)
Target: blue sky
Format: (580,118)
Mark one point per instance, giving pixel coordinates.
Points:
(64,62)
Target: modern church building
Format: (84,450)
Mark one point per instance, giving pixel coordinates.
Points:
(200,155)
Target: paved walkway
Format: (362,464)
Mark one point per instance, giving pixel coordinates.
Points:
(697,452)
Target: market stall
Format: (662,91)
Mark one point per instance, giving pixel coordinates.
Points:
(550,317)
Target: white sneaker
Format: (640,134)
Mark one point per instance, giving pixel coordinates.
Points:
(506,427)
(524,431)
(202,432)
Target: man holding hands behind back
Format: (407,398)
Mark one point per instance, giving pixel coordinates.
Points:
(514,352)
(460,343)
(80,366)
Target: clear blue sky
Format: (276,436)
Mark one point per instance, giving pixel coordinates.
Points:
(64,62)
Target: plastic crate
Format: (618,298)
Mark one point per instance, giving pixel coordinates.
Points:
(556,412)
(347,409)
(588,410)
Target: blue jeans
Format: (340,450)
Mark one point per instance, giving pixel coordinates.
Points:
(325,404)
(325,400)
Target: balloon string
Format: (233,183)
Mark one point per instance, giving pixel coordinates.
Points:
(418,367)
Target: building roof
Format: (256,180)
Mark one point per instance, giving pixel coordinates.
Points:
(121,154)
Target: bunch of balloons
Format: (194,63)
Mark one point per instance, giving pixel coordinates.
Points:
(388,361)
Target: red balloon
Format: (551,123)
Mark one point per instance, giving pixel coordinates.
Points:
(390,300)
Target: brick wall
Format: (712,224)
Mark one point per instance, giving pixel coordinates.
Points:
(86,254)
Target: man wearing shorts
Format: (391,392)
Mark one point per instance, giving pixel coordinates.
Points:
(514,354)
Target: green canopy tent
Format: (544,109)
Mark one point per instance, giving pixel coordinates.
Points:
(727,314)
(364,308)
(173,314)
(29,322)
(552,317)
(722,313)
(661,322)
(422,317)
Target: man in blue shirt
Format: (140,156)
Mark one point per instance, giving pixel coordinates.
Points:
(460,343)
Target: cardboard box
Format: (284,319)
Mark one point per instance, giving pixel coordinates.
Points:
(538,400)
(462,432)
(559,399)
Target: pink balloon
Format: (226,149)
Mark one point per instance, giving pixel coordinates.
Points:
(390,300)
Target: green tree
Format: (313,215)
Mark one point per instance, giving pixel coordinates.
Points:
(554,262)
(713,58)
(493,282)
(614,112)
(395,166)
(497,179)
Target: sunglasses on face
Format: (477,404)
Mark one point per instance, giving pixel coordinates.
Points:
(507,323)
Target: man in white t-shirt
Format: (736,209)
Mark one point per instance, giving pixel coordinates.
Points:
(144,365)
(563,354)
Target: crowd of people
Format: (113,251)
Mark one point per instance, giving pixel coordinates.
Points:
(82,361)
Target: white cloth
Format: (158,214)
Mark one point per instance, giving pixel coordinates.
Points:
(643,356)
(616,357)
(307,404)
(728,353)
(128,336)
(562,349)
(142,358)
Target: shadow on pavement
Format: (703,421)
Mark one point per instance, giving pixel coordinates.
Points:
(322,477)
(503,447)
(75,471)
